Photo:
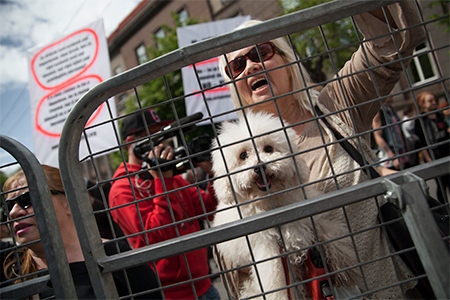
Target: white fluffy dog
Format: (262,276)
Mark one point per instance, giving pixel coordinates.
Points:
(249,172)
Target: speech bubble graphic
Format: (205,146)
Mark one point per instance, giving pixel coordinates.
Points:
(65,59)
(53,108)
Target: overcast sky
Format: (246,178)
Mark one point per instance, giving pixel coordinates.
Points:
(25,24)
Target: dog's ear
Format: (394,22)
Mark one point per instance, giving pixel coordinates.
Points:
(223,190)
(221,185)
(302,168)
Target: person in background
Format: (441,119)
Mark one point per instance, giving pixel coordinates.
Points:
(433,134)
(411,139)
(19,206)
(107,227)
(408,122)
(261,83)
(445,112)
(6,244)
(142,201)
(389,137)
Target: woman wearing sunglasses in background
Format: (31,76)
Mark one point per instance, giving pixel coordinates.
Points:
(19,205)
(371,73)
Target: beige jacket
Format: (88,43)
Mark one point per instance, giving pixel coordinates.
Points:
(342,95)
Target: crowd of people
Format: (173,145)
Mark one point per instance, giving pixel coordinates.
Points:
(152,204)
(416,138)
(391,139)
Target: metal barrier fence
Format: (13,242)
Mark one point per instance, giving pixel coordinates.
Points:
(58,267)
(406,185)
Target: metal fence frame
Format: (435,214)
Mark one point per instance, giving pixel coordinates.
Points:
(58,266)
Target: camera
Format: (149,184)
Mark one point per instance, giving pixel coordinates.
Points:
(196,151)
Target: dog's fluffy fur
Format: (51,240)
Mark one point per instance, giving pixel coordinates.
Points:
(257,168)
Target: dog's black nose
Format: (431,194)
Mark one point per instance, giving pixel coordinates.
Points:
(259,169)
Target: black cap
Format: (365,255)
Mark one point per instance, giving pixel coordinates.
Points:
(139,121)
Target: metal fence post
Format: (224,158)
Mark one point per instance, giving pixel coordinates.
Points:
(411,198)
(51,240)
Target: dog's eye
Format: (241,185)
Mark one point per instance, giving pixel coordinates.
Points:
(243,155)
(268,149)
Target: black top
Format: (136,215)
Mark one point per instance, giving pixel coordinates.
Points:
(140,278)
(435,130)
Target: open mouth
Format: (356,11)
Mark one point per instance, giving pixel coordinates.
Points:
(259,83)
(264,185)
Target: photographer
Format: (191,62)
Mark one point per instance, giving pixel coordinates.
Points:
(147,204)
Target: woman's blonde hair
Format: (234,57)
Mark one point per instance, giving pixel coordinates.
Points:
(23,255)
(299,77)
(51,173)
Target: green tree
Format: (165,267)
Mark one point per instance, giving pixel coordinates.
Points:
(3,178)
(156,92)
(443,20)
(323,50)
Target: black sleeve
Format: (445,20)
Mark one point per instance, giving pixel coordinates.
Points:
(5,249)
(141,278)
(418,130)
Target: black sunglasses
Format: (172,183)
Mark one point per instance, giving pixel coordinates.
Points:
(24,200)
(265,51)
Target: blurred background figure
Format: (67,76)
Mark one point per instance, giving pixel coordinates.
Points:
(411,139)
(432,129)
(445,112)
(389,137)
(107,227)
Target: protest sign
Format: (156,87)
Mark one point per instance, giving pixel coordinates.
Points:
(60,73)
(210,101)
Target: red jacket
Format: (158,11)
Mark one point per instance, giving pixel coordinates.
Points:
(157,211)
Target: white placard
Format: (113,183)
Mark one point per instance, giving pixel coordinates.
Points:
(218,100)
(60,73)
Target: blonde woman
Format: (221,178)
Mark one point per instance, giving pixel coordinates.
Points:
(263,84)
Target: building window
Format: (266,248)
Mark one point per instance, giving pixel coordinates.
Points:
(159,34)
(183,17)
(141,54)
(121,103)
(422,67)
